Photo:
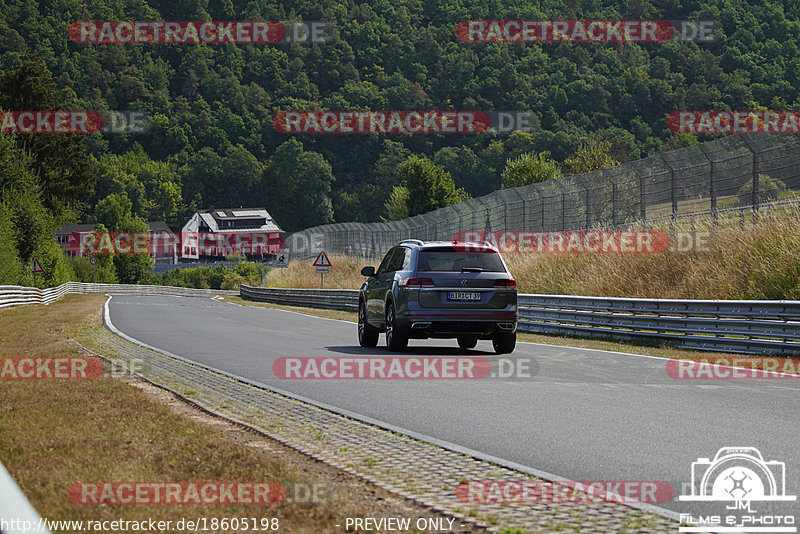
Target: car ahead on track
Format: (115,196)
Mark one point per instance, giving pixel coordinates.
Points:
(439,290)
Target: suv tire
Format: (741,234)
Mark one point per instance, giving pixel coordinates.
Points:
(504,343)
(395,340)
(367,334)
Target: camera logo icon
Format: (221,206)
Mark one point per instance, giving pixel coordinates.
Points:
(738,474)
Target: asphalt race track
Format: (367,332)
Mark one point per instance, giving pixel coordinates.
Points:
(584,415)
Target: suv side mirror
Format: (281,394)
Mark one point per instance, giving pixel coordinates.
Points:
(368,271)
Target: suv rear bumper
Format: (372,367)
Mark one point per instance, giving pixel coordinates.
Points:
(448,324)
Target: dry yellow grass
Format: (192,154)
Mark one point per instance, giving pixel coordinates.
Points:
(345,273)
(758,261)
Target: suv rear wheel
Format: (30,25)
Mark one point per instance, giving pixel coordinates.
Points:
(395,340)
(367,334)
(467,342)
(504,343)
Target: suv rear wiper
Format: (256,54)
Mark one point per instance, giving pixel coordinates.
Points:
(471,270)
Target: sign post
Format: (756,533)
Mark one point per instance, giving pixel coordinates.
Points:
(93,261)
(323,265)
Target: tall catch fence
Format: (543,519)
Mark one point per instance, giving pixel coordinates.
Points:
(736,174)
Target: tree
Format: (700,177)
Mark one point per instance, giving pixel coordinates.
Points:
(462,164)
(133,268)
(113,211)
(296,187)
(62,171)
(594,154)
(26,225)
(314,177)
(396,208)
(429,186)
(530,168)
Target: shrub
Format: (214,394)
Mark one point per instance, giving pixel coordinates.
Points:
(769,190)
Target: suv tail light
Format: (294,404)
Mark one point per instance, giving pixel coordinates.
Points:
(508,282)
(418,282)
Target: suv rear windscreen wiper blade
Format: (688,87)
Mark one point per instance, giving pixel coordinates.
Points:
(471,270)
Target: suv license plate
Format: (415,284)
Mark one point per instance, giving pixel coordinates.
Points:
(461,295)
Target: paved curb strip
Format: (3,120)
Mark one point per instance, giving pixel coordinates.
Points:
(414,469)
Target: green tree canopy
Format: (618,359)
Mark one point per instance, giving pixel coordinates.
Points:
(530,168)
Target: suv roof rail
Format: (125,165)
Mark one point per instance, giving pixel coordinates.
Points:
(415,241)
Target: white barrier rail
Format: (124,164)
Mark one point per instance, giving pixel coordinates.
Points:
(18,295)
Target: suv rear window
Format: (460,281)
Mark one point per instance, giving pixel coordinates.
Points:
(455,260)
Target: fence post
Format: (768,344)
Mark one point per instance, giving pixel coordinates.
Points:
(712,185)
(673,198)
(563,204)
(586,200)
(614,197)
(754,199)
(755,188)
(538,189)
(642,195)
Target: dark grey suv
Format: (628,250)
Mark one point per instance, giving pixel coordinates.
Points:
(439,290)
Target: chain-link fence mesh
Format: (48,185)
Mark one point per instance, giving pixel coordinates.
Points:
(735,173)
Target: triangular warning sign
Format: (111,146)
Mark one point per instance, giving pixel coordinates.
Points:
(36,267)
(322,260)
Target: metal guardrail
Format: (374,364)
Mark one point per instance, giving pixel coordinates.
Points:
(331,299)
(745,326)
(17,516)
(11,296)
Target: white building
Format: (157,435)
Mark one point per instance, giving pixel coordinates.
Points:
(215,233)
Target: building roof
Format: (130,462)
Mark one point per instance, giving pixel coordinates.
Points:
(158,226)
(70,228)
(211,217)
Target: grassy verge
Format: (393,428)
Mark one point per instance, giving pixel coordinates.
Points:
(757,261)
(629,347)
(54,433)
(344,274)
